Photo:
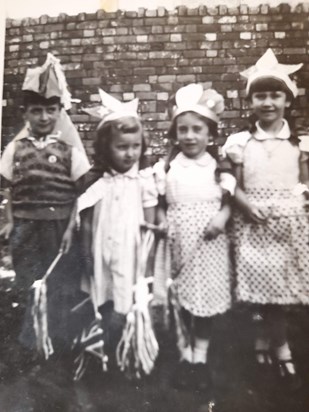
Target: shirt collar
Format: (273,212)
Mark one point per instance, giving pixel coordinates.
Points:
(42,142)
(284,133)
(187,161)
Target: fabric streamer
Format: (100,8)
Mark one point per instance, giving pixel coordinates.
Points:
(138,348)
(39,312)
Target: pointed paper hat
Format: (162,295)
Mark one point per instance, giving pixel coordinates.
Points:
(48,81)
(112,109)
(193,98)
(268,66)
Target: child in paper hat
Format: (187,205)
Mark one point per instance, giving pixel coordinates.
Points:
(113,209)
(43,172)
(271,234)
(192,197)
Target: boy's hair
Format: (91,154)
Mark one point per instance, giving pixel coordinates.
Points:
(172,135)
(106,132)
(30,98)
(269,84)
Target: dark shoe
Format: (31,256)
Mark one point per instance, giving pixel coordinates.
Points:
(261,375)
(183,375)
(289,381)
(201,377)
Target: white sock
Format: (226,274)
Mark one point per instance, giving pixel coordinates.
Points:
(284,353)
(200,350)
(261,344)
(186,354)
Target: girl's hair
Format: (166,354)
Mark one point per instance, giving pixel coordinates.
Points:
(104,135)
(172,135)
(269,84)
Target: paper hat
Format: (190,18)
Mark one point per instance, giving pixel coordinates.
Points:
(268,66)
(112,109)
(193,98)
(48,81)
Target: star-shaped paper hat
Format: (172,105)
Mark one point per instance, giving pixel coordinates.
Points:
(48,81)
(193,98)
(112,109)
(268,66)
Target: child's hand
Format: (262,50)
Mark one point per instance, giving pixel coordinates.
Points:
(66,242)
(7,230)
(256,214)
(216,226)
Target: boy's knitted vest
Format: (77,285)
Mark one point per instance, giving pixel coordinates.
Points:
(42,187)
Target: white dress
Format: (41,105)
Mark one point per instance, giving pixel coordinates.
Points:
(200,267)
(118,200)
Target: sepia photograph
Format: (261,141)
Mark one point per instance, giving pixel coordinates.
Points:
(154,206)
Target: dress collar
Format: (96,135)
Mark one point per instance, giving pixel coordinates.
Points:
(284,133)
(187,161)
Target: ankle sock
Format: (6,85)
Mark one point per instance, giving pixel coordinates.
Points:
(187,354)
(200,350)
(261,344)
(283,353)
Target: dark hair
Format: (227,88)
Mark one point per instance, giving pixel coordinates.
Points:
(269,84)
(102,158)
(30,98)
(172,135)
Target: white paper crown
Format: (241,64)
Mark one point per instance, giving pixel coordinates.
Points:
(48,80)
(112,109)
(268,66)
(193,98)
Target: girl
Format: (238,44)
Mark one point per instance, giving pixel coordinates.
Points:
(113,208)
(271,246)
(196,221)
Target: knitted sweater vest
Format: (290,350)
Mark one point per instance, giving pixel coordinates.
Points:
(42,187)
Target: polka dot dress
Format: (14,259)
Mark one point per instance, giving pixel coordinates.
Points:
(272,259)
(200,267)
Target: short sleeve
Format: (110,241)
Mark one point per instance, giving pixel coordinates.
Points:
(6,161)
(80,164)
(160,177)
(149,188)
(234,146)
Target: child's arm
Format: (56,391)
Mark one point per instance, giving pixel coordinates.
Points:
(8,227)
(86,217)
(242,202)
(218,223)
(67,237)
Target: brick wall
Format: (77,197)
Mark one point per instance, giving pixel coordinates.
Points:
(151,53)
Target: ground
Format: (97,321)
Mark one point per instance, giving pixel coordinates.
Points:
(235,387)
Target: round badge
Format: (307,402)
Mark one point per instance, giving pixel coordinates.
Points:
(52,159)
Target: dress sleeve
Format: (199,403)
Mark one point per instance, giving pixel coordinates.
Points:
(304,148)
(6,161)
(79,165)
(149,188)
(160,177)
(235,145)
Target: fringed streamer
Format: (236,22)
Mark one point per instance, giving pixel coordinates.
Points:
(138,348)
(40,321)
(39,312)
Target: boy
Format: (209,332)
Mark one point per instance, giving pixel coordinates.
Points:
(44,173)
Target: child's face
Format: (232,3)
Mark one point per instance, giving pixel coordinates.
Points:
(269,106)
(125,150)
(42,118)
(192,134)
